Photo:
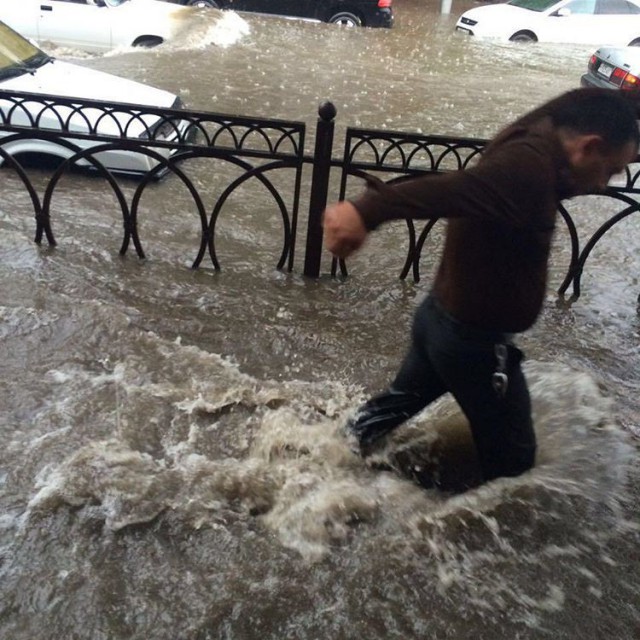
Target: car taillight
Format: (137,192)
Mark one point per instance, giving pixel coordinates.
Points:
(626,81)
(592,62)
(384,4)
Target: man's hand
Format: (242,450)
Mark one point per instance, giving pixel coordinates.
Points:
(344,230)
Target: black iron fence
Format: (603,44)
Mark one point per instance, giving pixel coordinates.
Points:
(114,139)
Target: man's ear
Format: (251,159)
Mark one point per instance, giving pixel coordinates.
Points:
(590,144)
(581,147)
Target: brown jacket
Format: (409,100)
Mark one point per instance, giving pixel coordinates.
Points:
(500,220)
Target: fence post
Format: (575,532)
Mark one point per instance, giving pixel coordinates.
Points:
(319,188)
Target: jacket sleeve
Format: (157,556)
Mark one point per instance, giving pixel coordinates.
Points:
(505,187)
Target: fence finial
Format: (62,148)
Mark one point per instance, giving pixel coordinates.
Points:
(327,111)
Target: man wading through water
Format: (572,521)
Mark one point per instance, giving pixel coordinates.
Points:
(491,280)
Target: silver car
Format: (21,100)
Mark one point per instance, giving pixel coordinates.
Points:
(614,68)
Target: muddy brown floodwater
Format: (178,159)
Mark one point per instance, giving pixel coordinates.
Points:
(171,466)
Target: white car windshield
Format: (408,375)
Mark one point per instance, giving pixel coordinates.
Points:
(17,54)
(533,5)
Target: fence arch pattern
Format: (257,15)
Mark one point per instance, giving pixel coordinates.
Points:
(84,132)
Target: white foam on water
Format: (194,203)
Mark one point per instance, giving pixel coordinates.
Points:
(196,436)
(285,458)
(18,321)
(215,29)
(313,513)
(229,29)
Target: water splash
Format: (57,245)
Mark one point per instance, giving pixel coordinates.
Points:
(222,444)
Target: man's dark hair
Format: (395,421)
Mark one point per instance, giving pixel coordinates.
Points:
(604,112)
(601,111)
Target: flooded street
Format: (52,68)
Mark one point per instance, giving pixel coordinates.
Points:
(172,467)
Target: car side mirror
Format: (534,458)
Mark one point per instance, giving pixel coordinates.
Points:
(563,12)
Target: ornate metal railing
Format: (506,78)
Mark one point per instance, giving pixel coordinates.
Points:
(627,194)
(370,154)
(92,135)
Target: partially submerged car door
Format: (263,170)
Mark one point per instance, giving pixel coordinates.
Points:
(75,23)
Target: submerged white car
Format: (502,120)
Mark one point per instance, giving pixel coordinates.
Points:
(600,22)
(26,68)
(94,25)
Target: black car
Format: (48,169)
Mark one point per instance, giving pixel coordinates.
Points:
(351,13)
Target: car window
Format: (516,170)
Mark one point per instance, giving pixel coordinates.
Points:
(581,6)
(617,7)
(533,5)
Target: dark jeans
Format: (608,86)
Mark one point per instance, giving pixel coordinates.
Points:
(449,356)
